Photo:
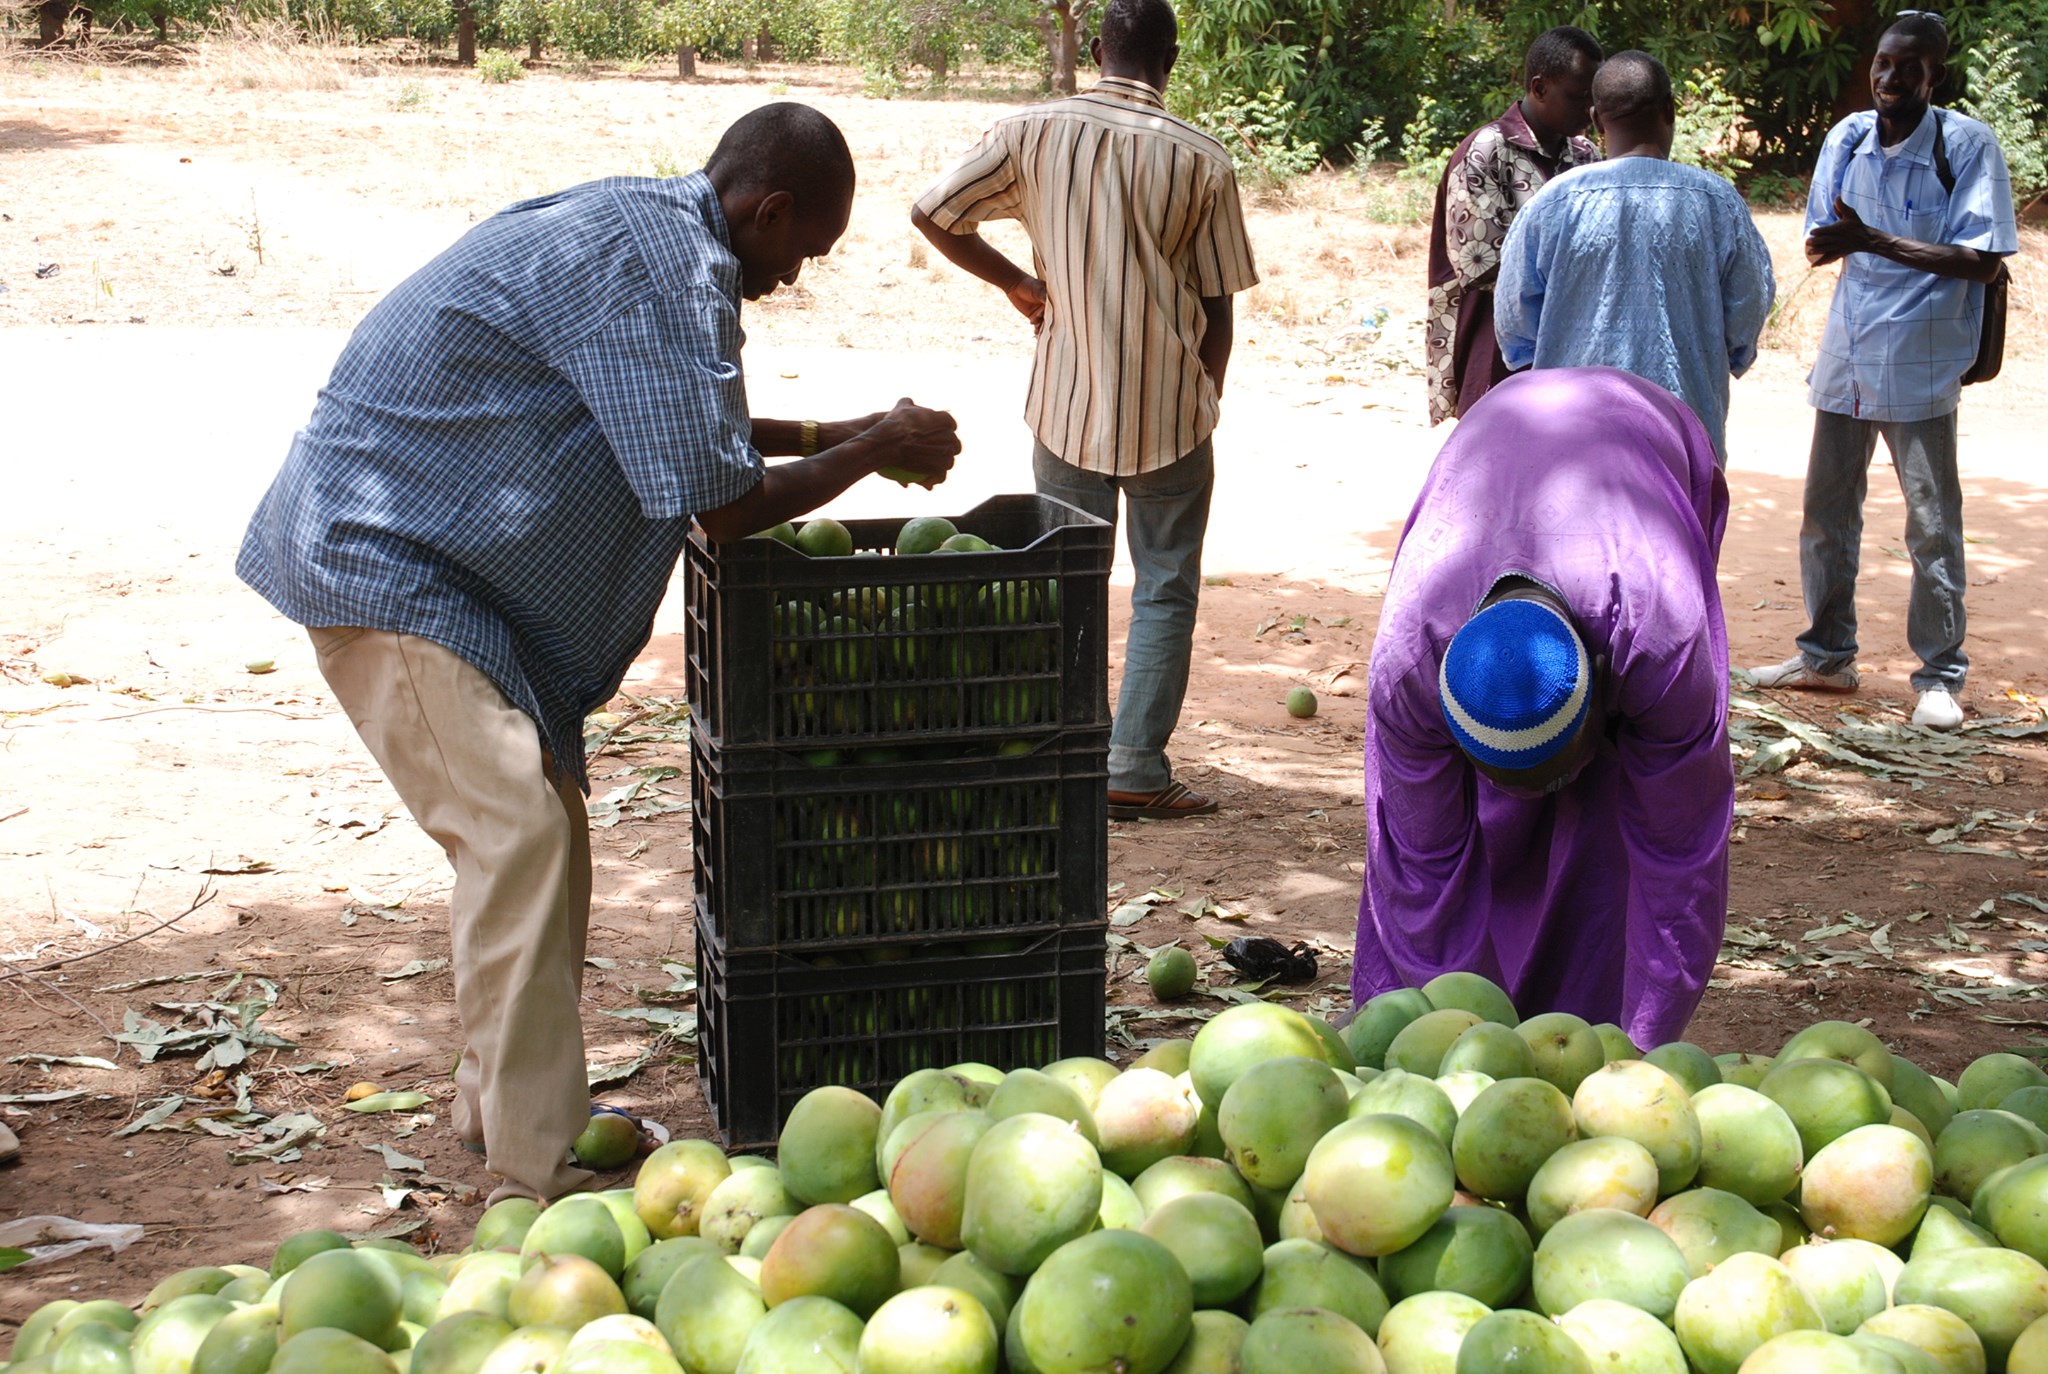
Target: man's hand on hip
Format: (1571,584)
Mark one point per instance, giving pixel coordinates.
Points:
(1028,295)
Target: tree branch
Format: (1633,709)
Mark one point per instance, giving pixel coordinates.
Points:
(206,894)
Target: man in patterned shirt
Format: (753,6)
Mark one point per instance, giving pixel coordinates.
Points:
(482,515)
(1138,244)
(1490,177)
(1916,205)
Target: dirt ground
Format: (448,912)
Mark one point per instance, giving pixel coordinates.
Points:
(214,915)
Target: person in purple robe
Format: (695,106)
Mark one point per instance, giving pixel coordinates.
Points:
(1548,789)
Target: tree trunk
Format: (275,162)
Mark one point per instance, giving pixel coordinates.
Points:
(50,17)
(764,45)
(161,17)
(533,46)
(1063,34)
(465,34)
(686,60)
(84,26)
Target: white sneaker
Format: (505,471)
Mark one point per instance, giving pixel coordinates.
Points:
(1938,710)
(1794,673)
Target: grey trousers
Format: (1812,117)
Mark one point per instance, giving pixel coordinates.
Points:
(1168,516)
(1831,534)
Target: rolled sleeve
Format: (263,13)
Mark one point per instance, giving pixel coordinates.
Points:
(663,382)
(981,186)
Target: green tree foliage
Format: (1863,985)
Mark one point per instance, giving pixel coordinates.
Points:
(2000,94)
(1711,130)
(890,38)
(1762,81)
(160,16)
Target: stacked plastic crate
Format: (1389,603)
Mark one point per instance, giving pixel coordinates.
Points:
(897,774)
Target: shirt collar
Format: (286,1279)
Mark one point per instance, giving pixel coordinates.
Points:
(1124,88)
(697,188)
(1918,147)
(1514,128)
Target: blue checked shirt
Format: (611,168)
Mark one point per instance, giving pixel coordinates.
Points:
(1898,340)
(507,456)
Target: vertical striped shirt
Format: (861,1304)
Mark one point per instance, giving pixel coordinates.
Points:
(1134,218)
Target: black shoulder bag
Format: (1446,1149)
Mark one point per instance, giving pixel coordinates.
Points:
(1991,335)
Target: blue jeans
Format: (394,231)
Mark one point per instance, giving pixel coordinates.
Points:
(1831,535)
(1169,514)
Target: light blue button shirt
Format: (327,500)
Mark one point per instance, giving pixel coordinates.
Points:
(1646,265)
(1898,340)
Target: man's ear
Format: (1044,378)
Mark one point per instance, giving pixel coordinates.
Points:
(772,210)
(1938,73)
(1538,87)
(1172,56)
(1095,50)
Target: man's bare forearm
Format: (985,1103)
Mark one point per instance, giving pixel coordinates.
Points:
(971,253)
(785,438)
(787,490)
(915,438)
(1941,259)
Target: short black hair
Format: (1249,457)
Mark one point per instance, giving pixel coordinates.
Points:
(1925,28)
(785,147)
(1630,85)
(1138,32)
(1557,50)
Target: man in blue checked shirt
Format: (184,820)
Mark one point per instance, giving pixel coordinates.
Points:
(483,513)
(1915,204)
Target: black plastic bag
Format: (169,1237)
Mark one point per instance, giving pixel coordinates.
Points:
(1257,958)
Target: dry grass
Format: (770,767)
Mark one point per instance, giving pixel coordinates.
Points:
(278,55)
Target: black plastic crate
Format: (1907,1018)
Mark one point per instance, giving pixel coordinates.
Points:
(795,652)
(771,1027)
(946,843)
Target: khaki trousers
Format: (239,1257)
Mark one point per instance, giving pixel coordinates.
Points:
(469,766)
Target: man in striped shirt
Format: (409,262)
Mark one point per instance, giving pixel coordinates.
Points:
(1138,243)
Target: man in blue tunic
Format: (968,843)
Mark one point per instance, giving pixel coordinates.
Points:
(1914,202)
(483,513)
(1638,262)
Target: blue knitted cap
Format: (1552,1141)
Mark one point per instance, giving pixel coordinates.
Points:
(1515,684)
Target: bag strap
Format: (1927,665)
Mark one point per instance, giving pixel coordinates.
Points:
(1943,173)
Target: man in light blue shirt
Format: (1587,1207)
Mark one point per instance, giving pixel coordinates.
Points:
(1914,202)
(1638,262)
